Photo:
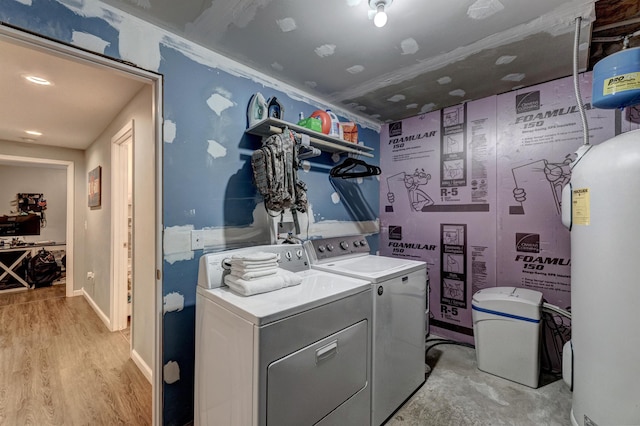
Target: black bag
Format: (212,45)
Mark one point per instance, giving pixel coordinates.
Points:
(42,269)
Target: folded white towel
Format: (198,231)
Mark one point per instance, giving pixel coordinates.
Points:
(258,256)
(253,273)
(252,265)
(281,279)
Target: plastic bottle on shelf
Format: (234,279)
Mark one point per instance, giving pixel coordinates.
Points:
(335,124)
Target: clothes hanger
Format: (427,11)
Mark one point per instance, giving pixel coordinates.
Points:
(353,167)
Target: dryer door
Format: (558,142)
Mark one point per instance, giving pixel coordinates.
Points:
(307,385)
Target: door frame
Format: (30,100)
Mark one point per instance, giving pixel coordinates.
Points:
(119,192)
(156,80)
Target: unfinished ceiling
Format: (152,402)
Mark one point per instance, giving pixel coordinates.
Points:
(431,54)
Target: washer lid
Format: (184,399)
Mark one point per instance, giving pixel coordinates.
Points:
(372,268)
(317,288)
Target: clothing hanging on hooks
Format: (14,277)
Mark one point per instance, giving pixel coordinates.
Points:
(353,167)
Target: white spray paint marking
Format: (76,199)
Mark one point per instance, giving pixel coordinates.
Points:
(219,103)
(335,198)
(503,60)
(513,77)
(145,4)
(89,42)
(444,80)
(359,180)
(355,69)
(276,66)
(427,107)
(287,24)
(482,9)
(397,98)
(216,150)
(325,50)
(311,84)
(409,46)
(173,302)
(25,2)
(177,243)
(458,92)
(169,131)
(411,106)
(171,372)
(306,166)
(361,108)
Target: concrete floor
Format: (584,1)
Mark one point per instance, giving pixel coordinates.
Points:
(456,393)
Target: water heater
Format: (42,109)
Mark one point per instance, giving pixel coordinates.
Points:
(603,213)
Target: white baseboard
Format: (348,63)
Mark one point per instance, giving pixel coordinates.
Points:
(146,370)
(103,317)
(78,292)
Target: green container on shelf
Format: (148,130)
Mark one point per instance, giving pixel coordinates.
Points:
(311,123)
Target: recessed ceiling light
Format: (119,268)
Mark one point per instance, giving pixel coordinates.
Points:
(37,80)
(33,133)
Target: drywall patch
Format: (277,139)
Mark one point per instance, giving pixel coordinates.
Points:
(458,92)
(335,198)
(444,80)
(507,59)
(173,302)
(171,372)
(145,4)
(287,24)
(482,9)
(325,50)
(513,77)
(89,42)
(276,66)
(25,2)
(177,243)
(355,69)
(219,103)
(409,46)
(216,150)
(412,106)
(397,98)
(306,166)
(169,131)
(427,107)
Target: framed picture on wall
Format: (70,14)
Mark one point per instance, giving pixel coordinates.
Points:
(95,177)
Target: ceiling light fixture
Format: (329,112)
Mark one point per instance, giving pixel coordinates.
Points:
(380,8)
(37,80)
(33,132)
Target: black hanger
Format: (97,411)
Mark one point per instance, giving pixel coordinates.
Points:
(353,167)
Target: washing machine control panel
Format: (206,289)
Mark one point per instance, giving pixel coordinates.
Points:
(327,248)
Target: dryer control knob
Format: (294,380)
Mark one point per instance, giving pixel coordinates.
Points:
(363,243)
(330,247)
(356,243)
(344,245)
(288,255)
(299,253)
(321,249)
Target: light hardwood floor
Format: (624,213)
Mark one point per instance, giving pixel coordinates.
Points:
(60,365)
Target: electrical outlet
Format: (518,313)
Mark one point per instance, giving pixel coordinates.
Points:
(197,240)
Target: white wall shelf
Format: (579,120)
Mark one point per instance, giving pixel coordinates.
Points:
(270,126)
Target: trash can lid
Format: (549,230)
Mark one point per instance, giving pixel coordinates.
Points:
(516,301)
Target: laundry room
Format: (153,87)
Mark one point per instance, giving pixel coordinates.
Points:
(403,193)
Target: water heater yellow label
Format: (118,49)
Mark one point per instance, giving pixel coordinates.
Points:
(580,207)
(620,83)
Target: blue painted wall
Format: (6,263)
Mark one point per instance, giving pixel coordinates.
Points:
(200,190)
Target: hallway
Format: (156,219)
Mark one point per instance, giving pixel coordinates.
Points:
(61,366)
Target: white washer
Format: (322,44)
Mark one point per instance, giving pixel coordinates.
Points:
(400,309)
(294,356)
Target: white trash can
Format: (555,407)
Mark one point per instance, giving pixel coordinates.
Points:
(507,328)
